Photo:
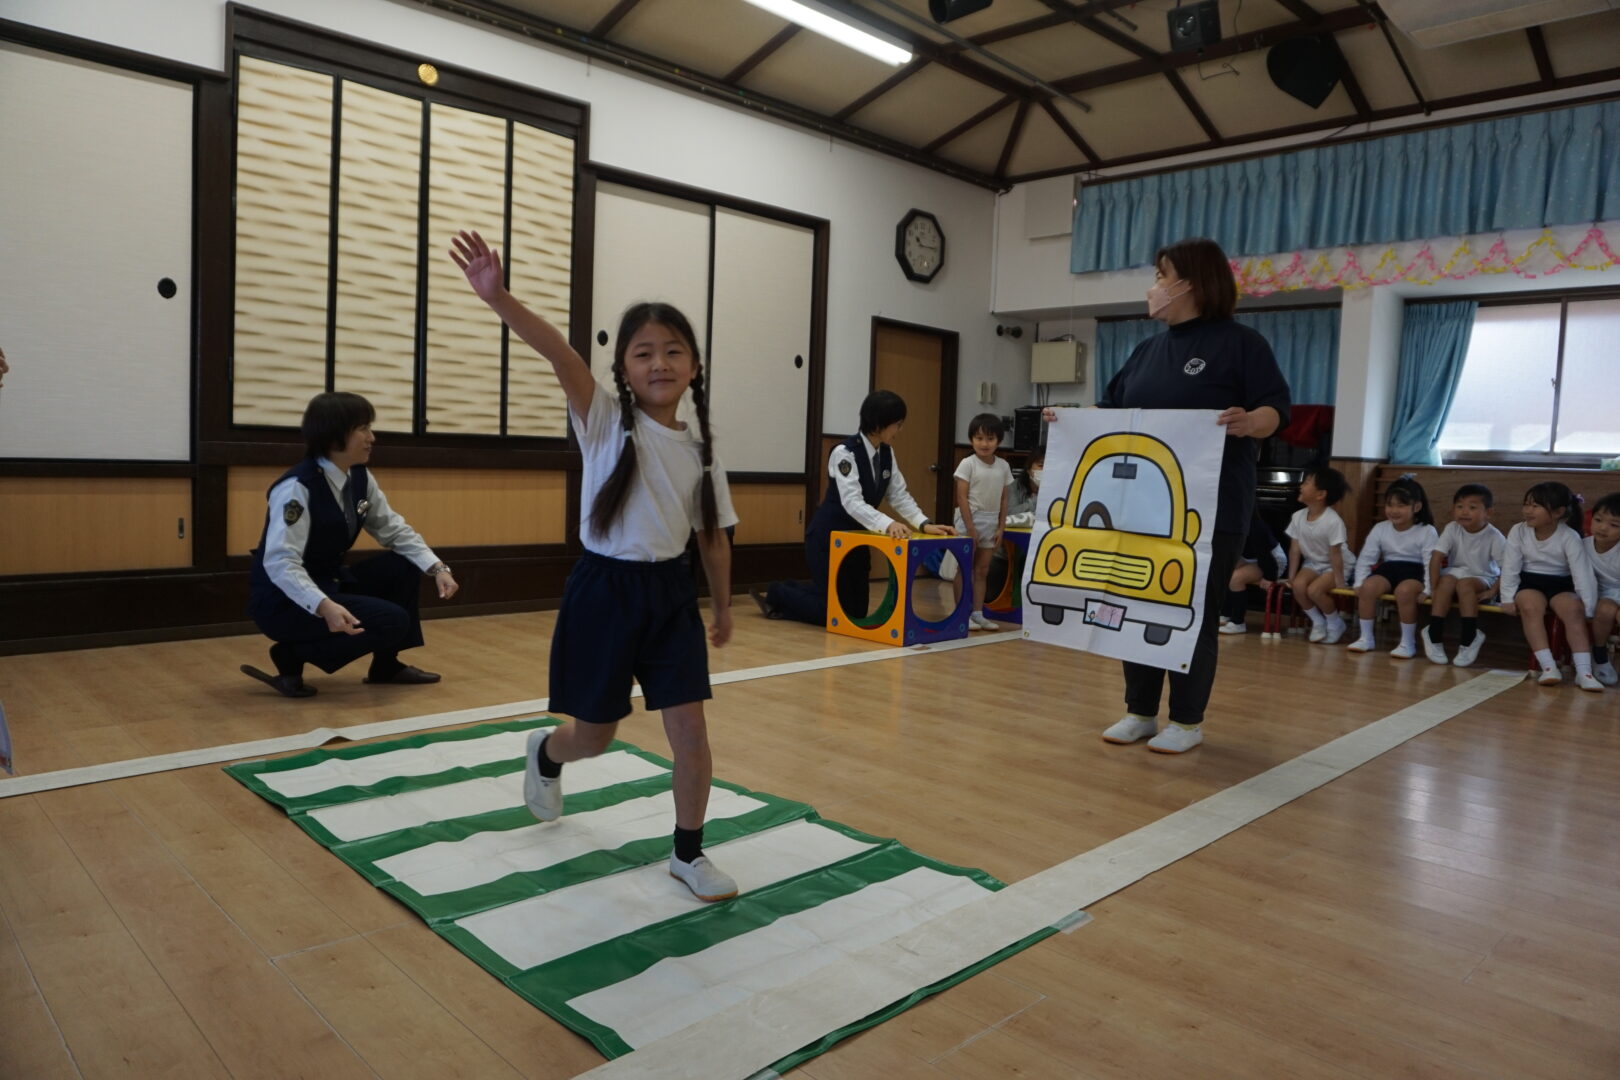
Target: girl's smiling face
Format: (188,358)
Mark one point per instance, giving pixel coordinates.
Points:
(658,365)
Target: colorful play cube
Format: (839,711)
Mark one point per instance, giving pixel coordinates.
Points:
(895,620)
(1008,604)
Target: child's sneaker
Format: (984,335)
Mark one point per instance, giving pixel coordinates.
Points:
(979,622)
(1362,645)
(1550,677)
(1586,682)
(541,794)
(1403,651)
(1176,739)
(1606,674)
(1435,651)
(1234,628)
(1467,654)
(1335,631)
(706,880)
(1318,633)
(1129,729)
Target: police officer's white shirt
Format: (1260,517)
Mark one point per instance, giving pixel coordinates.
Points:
(1473,554)
(664,504)
(848,482)
(284,544)
(1562,553)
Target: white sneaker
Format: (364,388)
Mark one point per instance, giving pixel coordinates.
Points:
(1176,739)
(1606,674)
(1234,628)
(1224,620)
(980,622)
(1403,651)
(1334,631)
(1467,654)
(1435,651)
(1588,683)
(706,880)
(1318,633)
(542,795)
(1129,729)
(1550,677)
(1362,645)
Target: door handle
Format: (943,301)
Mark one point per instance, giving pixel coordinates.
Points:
(933,468)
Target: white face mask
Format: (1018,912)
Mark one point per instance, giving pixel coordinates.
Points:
(1159,298)
(1035,477)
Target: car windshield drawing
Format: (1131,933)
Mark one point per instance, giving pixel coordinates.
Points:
(1120,549)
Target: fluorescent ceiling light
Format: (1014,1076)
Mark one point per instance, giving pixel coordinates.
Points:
(813,17)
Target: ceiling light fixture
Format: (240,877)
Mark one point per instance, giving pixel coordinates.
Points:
(814,17)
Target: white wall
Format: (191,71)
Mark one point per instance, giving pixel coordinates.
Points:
(651,128)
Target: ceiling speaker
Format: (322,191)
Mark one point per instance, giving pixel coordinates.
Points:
(1195,25)
(944,11)
(1306,68)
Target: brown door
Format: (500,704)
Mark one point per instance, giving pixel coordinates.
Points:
(919,364)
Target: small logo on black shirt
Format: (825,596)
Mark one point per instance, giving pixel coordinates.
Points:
(1194,366)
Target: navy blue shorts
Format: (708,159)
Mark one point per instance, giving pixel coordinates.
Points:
(1396,571)
(1548,585)
(622,621)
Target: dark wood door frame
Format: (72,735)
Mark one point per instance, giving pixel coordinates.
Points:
(950,345)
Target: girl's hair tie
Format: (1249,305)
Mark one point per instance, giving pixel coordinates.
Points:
(1408,476)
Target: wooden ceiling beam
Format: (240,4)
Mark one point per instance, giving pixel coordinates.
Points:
(781,38)
(1012,138)
(969,124)
(605,25)
(1197,110)
(1538,49)
(906,72)
(1068,129)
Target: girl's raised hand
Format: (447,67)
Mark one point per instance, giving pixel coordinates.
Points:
(479,262)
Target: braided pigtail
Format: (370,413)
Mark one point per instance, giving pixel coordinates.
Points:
(700,399)
(610,499)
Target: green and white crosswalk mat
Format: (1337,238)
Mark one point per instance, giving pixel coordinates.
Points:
(579,916)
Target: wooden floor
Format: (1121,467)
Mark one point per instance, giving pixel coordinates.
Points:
(1451,909)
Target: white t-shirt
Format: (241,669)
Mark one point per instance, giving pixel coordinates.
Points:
(1606,565)
(1318,538)
(1386,543)
(985,483)
(1562,553)
(1472,554)
(664,505)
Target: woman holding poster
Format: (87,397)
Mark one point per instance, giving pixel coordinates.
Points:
(1202,360)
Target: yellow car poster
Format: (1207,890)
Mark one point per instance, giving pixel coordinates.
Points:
(1120,548)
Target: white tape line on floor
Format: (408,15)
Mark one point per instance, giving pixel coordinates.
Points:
(748,1037)
(308,740)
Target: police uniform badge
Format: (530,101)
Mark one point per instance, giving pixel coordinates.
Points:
(843,468)
(292,511)
(885,474)
(360,509)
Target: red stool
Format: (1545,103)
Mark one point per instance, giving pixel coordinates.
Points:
(1272,625)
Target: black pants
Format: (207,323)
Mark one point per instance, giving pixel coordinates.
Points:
(1189,692)
(806,601)
(382,592)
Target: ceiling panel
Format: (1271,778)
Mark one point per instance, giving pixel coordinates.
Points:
(1578,46)
(1133,118)
(1380,76)
(1042,146)
(687,33)
(1470,66)
(926,106)
(1060,51)
(1249,101)
(582,14)
(998,14)
(817,73)
(981,148)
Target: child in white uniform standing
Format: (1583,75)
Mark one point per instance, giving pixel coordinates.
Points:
(1396,559)
(1546,568)
(1603,548)
(982,480)
(629,610)
(1472,549)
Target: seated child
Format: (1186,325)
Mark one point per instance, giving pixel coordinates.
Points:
(1603,548)
(1316,552)
(1546,567)
(1396,559)
(1261,563)
(1472,549)
(982,480)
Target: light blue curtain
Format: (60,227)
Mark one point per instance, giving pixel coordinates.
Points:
(1434,341)
(1305,342)
(1560,167)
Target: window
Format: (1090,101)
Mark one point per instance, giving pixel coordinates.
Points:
(1538,382)
(1127,494)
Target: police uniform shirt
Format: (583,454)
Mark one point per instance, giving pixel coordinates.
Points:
(284,540)
(663,506)
(844,473)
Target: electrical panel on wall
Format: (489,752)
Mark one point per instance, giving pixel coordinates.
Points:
(1057,362)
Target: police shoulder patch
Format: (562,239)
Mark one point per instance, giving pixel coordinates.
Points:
(292,511)
(844,467)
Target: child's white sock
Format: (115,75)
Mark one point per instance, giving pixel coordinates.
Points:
(1409,634)
(1583,663)
(1367,630)
(1544,657)
(1315,616)
(1335,621)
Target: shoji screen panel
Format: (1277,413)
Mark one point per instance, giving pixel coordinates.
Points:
(95,210)
(540,263)
(466,190)
(648,247)
(759,375)
(283,217)
(379,184)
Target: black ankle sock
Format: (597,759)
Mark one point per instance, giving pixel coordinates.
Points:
(285,659)
(1468,628)
(548,768)
(688,843)
(1437,628)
